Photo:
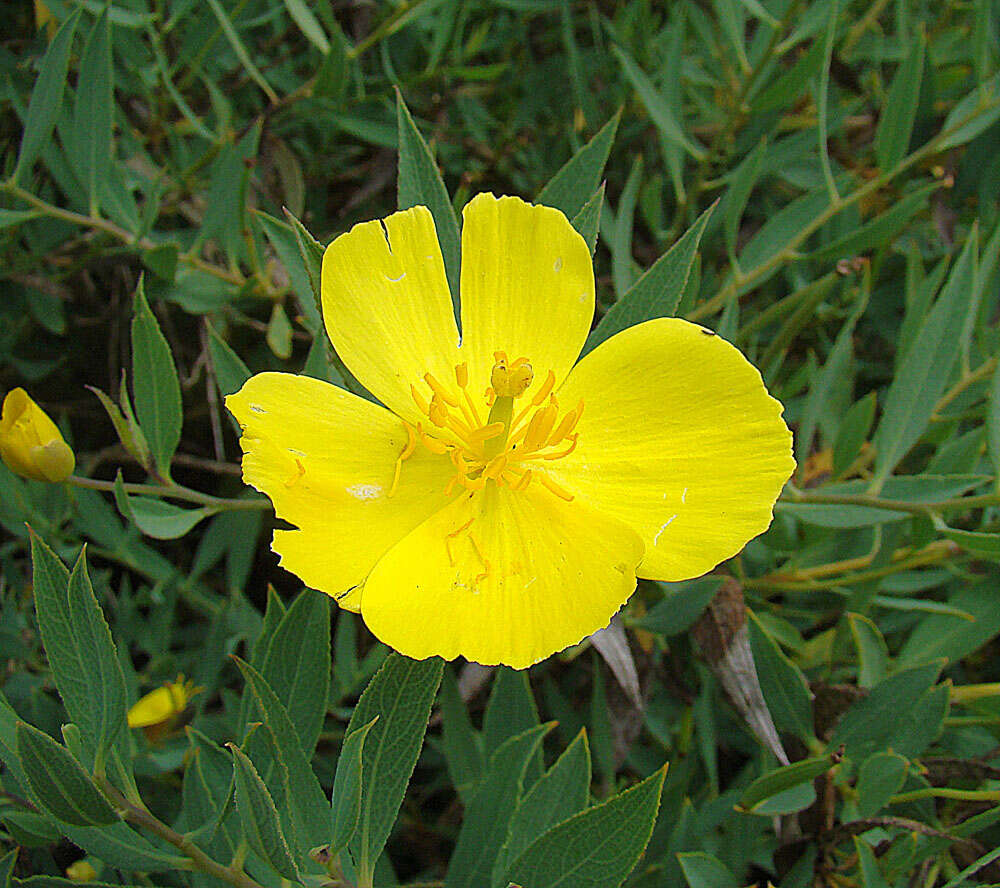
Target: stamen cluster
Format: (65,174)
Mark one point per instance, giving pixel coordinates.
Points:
(508,449)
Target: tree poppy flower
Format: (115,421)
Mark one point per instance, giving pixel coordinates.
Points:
(502,503)
(30,443)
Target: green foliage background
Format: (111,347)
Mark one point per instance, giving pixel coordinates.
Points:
(817,182)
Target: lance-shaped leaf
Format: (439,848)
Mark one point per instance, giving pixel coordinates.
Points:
(484,827)
(261,824)
(80,650)
(60,784)
(420,184)
(567,190)
(46,98)
(598,847)
(346,802)
(155,384)
(400,694)
(309,809)
(657,293)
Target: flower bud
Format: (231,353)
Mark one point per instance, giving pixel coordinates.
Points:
(162,705)
(30,443)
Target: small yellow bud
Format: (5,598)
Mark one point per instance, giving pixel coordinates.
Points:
(81,871)
(45,19)
(162,704)
(30,443)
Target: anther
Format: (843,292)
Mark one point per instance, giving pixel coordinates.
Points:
(462,375)
(300,470)
(551,485)
(495,467)
(440,390)
(540,427)
(437,412)
(486,432)
(543,392)
(419,400)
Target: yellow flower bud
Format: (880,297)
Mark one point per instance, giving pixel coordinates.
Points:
(81,871)
(30,442)
(162,704)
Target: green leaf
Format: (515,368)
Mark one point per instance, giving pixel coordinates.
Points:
(286,243)
(702,870)
(864,729)
(781,780)
(162,261)
(230,371)
(484,826)
(880,777)
(311,251)
(61,785)
(80,650)
(308,25)
(261,825)
(511,710)
(784,686)
(560,793)
(400,694)
(598,847)
(297,665)
(682,604)
(950,637)
(154,517)
(871,877)
(979,110)
(658,109)
(463,750)
(657,293)
(229,30)
(741,185)
(926,369)
(581,174)
(279,333)
(46,98)
(873,653)
(309,811)
(420,184)
(346,801)
(853,432)
(129,433)
(900,109)
(587,222)
(155,385)
(982,545)
(94,110)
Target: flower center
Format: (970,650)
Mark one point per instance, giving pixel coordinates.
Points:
(509,447)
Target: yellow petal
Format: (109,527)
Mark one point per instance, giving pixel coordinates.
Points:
(159,705)
(327,460)
(387,307)
(30,443)
(502,577)
(680,440)
(527,288)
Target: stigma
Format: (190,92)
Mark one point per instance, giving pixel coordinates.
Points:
(493,439)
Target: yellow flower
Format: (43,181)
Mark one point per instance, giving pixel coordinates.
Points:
(503,502)
(163,704)
(30,443)
(81,871)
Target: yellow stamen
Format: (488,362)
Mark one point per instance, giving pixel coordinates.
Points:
(486,432)
(462,375)
(419,400)
(300,470)
(440,390)
(543,392)
(558,490)
(411,445)
(496,466)
(486,563)
(449,537)
(540,427)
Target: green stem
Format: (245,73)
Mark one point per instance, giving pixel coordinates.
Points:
(794,495)
(945,792)
(96,222)
(173,491)
(199,860)
(740,280)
